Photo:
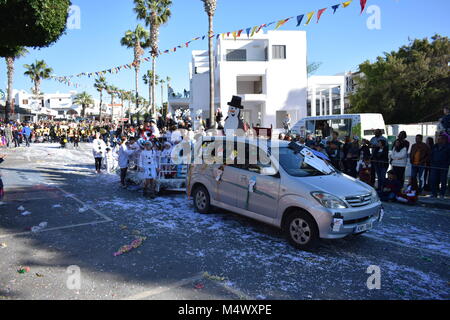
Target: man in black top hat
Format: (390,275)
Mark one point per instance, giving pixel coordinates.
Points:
(234,122)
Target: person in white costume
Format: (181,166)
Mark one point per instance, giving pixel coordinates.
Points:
(124,159)
(148,166)
(99,151)
(234,122)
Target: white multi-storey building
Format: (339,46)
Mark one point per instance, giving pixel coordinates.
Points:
(268,70)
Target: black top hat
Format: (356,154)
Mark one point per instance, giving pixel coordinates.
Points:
(236,102)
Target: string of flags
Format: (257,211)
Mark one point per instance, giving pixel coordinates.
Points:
(250,32)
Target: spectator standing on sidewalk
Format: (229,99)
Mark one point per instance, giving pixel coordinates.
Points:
(9,135)
(402,138)
(374,145)
(427,185)
(440,162)
(399,160)
(380,159)
(26,133)
(420,156)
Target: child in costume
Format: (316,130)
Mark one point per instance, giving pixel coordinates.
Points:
(364,169)
(148,165)
(109,159)
(166,155)
(410,194)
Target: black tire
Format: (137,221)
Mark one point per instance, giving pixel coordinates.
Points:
(202,200)
(358,234)
(301,231)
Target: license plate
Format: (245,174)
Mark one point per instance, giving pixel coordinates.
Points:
(364,227)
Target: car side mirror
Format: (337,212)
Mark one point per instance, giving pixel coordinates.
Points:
(268,171)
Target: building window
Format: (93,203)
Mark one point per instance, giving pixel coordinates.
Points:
(25,101)
(237,55)
(249,85)
(279,52)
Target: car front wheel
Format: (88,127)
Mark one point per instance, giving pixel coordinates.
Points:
(301,231)
(202,200)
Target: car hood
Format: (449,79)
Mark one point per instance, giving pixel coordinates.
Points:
(337,184)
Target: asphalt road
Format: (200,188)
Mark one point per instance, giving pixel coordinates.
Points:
(186,255)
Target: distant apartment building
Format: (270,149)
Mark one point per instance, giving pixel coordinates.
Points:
(268,71)
(60,106)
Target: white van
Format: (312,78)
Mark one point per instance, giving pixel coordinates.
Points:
(361,125)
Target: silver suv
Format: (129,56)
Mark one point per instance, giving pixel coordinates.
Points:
(282,184)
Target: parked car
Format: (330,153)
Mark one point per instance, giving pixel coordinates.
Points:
(282,184)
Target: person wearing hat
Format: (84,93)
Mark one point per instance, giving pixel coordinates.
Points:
(234,122)
(148,164)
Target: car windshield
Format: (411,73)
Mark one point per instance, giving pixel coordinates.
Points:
(295,164)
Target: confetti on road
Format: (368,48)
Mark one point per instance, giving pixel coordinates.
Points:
(199,286)
(3,245)
(57,206)
(21,208)
(23,270)
(127,248)
(26,213)
(212,277)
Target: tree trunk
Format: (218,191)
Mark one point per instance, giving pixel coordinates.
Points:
(101,102)
(9,98)
(136,69)
(83,110)
(153,85)
(212,111)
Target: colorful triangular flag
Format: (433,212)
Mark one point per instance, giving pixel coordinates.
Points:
(309,16)
(248,32)
(335,7)
(319,13)
(347,3)
(280,23)
(300,19)
(363,5)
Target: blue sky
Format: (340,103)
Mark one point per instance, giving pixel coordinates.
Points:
(340,42)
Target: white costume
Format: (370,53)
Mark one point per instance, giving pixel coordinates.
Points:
(124,156)
(98,148)
(148,161)
(110,161)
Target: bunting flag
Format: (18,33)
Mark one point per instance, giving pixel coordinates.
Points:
(309,16)
(347,3)
(363,5)
(280,23)
(319,13)
(251,31)
(300,19)
(335,7)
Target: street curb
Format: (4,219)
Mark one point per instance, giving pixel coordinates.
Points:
(435,205)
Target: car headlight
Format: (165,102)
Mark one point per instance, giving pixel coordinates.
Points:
(329,201)
(375,198)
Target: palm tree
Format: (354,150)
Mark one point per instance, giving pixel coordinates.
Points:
(162,93)
(210,9)
(148,80)
(18,53)
(112,91)
(100,84)
(83,99)
(37,72)
(138,40)
(155,13)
